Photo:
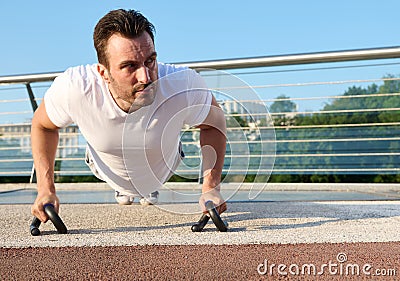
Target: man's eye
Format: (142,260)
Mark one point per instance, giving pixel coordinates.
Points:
(128,66)
(150,61)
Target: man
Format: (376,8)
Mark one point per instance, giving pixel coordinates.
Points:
(128,109)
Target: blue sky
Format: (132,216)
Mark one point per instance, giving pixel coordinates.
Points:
(46,36)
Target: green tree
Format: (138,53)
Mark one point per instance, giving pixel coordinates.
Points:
(354,98)
(282,104)
(235,121)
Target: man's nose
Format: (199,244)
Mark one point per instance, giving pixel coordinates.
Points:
(143,75)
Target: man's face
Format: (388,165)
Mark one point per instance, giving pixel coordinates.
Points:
(132,67)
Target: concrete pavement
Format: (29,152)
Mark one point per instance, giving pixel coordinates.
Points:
(250,222)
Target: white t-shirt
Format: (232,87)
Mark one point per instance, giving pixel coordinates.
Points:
(133,152)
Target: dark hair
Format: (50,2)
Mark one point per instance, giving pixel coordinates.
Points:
(128,23)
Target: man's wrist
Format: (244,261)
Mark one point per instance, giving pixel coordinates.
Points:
(207,187)
(48,190)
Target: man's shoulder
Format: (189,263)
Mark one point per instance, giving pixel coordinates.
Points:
(79,77)
(82,71)
(78,80)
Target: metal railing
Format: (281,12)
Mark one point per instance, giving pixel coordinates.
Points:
(308,140)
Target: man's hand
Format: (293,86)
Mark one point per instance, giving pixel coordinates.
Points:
(37,208)
(214,195)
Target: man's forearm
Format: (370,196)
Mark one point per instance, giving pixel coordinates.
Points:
(213,146)
(213,143)
(44,147)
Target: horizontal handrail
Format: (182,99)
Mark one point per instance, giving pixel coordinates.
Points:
(305,58)
(278,60)
(28,78)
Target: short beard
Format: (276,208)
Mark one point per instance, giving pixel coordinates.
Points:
(138,102)
(140,87)
(144,99)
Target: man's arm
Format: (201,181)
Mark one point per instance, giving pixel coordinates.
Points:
(44,139)
(213,146)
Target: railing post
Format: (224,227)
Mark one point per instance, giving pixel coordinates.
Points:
(31,97)
(34,107)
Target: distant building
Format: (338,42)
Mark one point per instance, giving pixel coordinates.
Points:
(249,110)
(68,141)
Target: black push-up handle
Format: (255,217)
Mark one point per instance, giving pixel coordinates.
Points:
(215,217)
(53,216)
(198,226)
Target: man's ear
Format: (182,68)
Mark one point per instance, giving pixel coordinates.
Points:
(103,72)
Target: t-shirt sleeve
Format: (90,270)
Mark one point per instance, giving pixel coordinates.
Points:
(199,101)
(57,99)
